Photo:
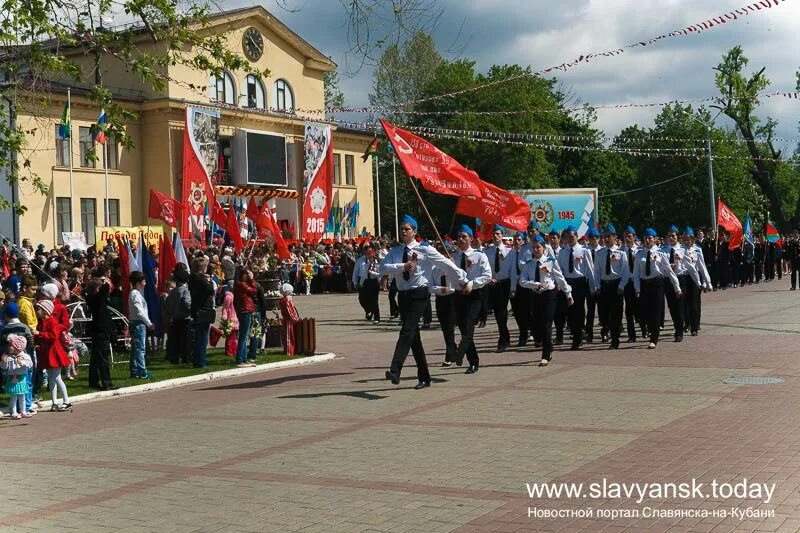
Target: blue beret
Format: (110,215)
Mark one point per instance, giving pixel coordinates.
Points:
(650,232)
(553,232)
(12,310)
(630,229)
(520,234)
(674,229)
(538,238)
(409,220)
(689,232)
(533,225)
(465,229)
(611,229)
(569,229)
(593,233)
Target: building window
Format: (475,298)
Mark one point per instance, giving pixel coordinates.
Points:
(88,218)
(282,97)
(337,169)
(113,212)
(62,150)
(349,177)
(63,215)
(222,89)
(255,92)
(110,154)
(86,141)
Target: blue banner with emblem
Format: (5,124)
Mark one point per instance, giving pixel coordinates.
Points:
(555,209)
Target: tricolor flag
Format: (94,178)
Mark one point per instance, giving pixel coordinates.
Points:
(65,127)
(100,128)
(772,234)
(371,149)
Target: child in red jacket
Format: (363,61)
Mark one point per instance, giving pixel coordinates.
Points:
(51,354)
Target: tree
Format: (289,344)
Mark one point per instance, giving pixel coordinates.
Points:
(43,40)
(738,101)
(334,97)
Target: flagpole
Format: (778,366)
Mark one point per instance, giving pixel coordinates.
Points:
(394,180)
(439,237)
(71,193)
(378,190)
(105,171)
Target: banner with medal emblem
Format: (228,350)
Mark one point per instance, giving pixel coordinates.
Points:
(317,180)
(555,209)
(200,160)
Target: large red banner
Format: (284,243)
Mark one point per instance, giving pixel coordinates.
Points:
(200,136)
(436,171)
(496,206)
(318,180)
(730,223)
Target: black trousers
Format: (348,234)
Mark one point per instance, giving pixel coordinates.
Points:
(576,313)
(759,267)
(691,303)
(371,291)
(179,341)
(485,306)
(427,315)
(498,303)
(446,314)
(560,318)
(610,308)
(675,304)
(100,362)
(632,312)
(468,307)
(545,303)
(651,297)
(411,304)
(592,303)
(521,305)
(795,266)
(394,309)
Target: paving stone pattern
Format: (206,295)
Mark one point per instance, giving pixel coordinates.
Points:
(335,447)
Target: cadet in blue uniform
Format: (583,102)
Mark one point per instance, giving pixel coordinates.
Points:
(511,270)
(543,278)
(499,289)
(611,276)
(633,314)
(411,263)
(468,302)
(650,270)
(576,264)
(594,245)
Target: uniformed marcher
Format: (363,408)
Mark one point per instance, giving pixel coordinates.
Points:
(499,289)
(527,255)
(511,270)
(651,267)
(367,278)
(542,276)
(688,280)
(468,302)
(576,264)
(442,287)
(410,263)
(554,241)
(611,276)
(633,313)
(593,244)
(693,297)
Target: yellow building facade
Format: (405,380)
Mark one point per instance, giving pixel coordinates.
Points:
(246,103)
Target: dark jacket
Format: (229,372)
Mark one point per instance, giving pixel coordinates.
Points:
(201,290)
(243,294)
(102,324)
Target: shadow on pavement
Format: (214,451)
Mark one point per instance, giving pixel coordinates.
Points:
(274,381)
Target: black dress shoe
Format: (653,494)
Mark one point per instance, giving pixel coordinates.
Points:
(614,346)
(422,385)
(694,334)
(472,369)
(575,347)
(502,347)
(522,343)
(391,377)
(679,339)
(631,339)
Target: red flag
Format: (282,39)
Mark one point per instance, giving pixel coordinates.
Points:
(4,261)
(197,187)
(730,223)
(125,270)
(165,208)
(166,262)
(218,214)
(252,210)
(233,230)
(437,171)
(497,206)
(266,223)
(318,180)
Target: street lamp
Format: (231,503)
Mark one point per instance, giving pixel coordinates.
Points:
(712,200)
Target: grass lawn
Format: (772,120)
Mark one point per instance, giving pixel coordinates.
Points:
(159,367)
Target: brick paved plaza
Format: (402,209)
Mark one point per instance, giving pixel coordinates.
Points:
(334,447)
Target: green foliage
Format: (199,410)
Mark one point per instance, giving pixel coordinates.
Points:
(334,97)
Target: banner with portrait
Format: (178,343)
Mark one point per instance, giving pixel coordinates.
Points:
(200,160)
(555,209)
(317,180)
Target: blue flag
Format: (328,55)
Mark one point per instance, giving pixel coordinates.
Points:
(150,289)
(748,229)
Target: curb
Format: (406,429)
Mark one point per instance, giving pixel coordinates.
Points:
(188,380)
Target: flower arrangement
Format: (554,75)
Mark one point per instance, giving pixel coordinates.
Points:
(273,294)
(255,329)
(273,322)
(227,327)
(308,271)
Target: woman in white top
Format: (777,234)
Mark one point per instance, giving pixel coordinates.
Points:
(543,276)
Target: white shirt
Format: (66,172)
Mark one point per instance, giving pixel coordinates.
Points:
(582,265)
(138,307)
(618,265)
(550,276)
(681,263)
(512,267)
(365,268)
(696,255)
(436,286)
(491,253)
(427,257)
(479,273)
(659,268)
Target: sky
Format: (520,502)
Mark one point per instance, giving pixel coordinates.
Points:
(545,33)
